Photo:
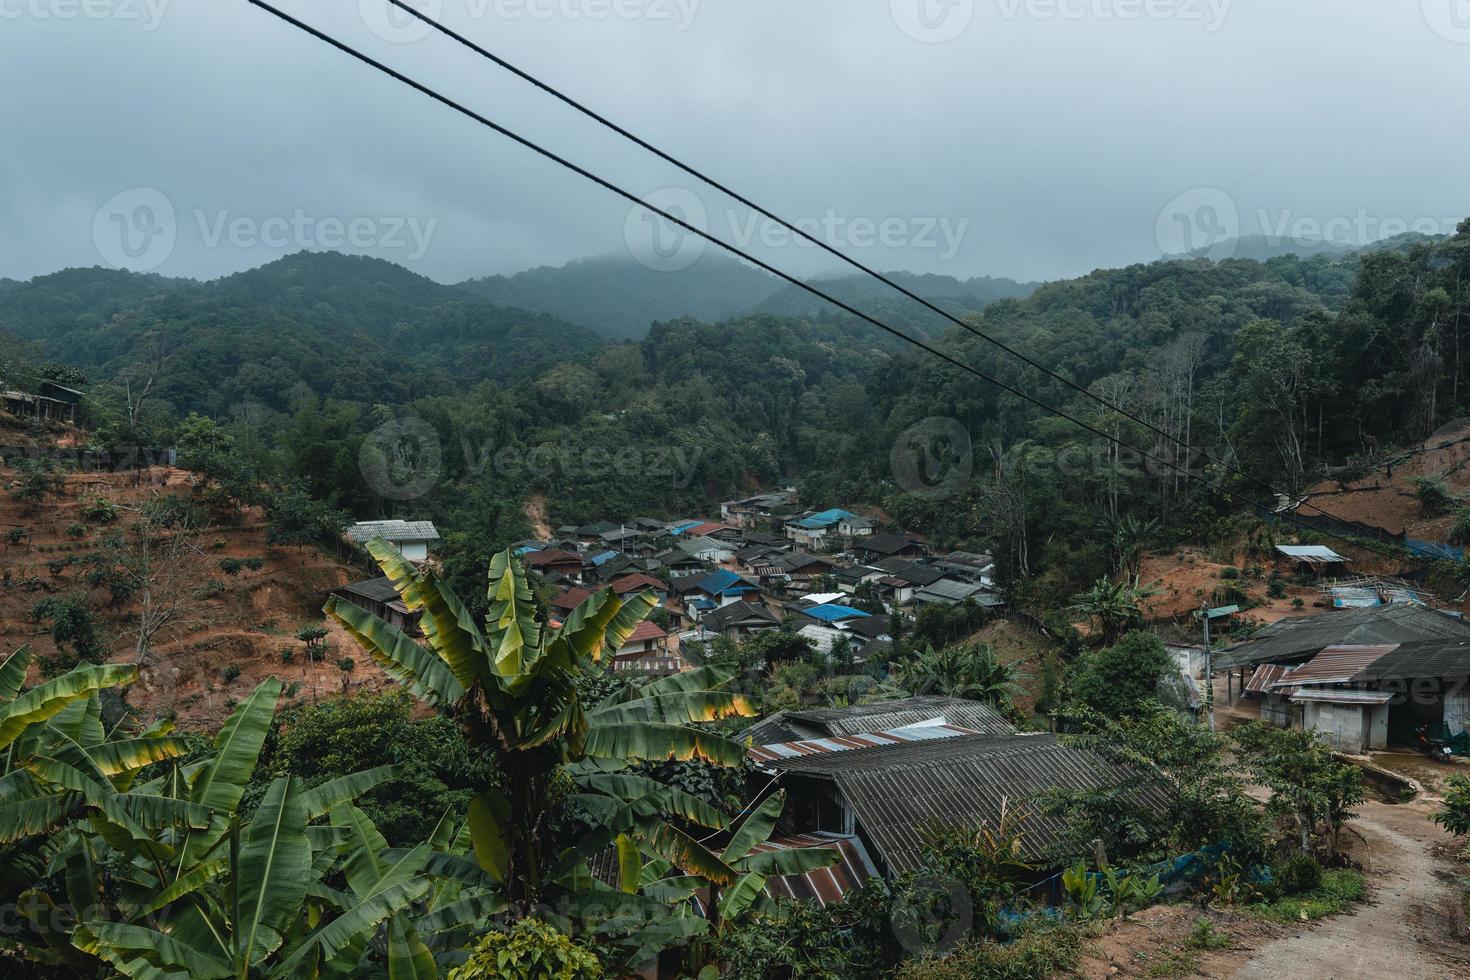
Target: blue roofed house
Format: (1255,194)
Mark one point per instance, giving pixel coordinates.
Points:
(811,531)
(830,613)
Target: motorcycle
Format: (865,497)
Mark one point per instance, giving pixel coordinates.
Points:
(1438,749)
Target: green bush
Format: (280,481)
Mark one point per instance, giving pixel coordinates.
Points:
(1340,888)
(530,950)
(1035,956)
(230,673)
(99,510)
(1230,572)
(1301,873)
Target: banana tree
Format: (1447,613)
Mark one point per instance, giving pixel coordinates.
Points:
(513,684)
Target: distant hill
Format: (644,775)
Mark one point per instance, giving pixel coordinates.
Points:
(338,326)
(619,297)
(1262,248)
(957,296)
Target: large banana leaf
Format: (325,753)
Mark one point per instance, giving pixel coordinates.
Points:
(648,741)
(38,815)
(135,951)
(334,792)
(489,814)
(684,852)
(393,895)
(699,679)
(511,620)
(13,674)
(741,895)
(421,671)
(686,707)
(670,800)
(47,700)
(448,626)
(273,872)
(220,783)
(755,827)
(790,861)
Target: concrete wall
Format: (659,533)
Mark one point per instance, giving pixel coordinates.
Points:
(1456,705)
(1343,726)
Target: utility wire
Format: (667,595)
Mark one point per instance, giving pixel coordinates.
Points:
(735,250)
(832,250)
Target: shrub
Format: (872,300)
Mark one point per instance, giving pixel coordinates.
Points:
(346,665)
(99,510)
(1230,572)
(77,531)
(1433,494)
(253,563)
(1276,586)
(230,673)
(231,566)
(1301,873)
(16,535)
(1460,530)
(1035,956)
(529,950)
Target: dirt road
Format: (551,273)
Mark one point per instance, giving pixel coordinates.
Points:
(1411,927)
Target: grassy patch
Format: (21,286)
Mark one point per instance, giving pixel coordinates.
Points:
(1340,888)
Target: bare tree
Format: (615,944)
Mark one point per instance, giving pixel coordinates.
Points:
(168,575)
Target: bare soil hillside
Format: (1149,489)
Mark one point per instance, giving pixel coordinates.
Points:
(227,641)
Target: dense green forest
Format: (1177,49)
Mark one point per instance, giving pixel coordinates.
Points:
(1279,367)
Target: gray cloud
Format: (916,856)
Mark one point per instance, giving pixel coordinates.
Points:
(1055,133)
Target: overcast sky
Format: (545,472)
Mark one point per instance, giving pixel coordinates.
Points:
(1023,138)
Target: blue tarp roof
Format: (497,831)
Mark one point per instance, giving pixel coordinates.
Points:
(831,613)
(683,526)
(604,558)
(721,582)
(825,519)
(526,549)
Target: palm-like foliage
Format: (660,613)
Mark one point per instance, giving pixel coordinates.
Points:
(970,671)
(513,684)
(1114,607)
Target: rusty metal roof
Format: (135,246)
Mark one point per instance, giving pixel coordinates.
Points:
(866,740)
(822,885)
(1338,664)
(1264,677)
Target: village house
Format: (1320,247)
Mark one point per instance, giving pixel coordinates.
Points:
(377,596)
(1349,643)
(811,530)
(754,511)
(738,621)
(886,772)
(555,561)
(412,538)
(1312,559)
(709,550)
(50,402)
(889,546)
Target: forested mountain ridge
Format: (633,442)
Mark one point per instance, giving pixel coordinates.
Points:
(1279,368)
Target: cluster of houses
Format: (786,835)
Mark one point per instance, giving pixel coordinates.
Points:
(832,575)
(50,402)
(1367,674)
(764,563)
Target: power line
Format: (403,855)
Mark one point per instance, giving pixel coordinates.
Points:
(734,250)
(830,249)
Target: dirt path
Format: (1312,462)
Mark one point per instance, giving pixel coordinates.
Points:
(1411,927)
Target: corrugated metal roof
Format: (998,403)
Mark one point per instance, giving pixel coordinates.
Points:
(1342,695)
(844,743)
(899,792)
(1429,658)
(1310,553)
(832,614)
(1298,637)
(1337,664)
(824,885)
(1264,676)
(787,726)
(365,531)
